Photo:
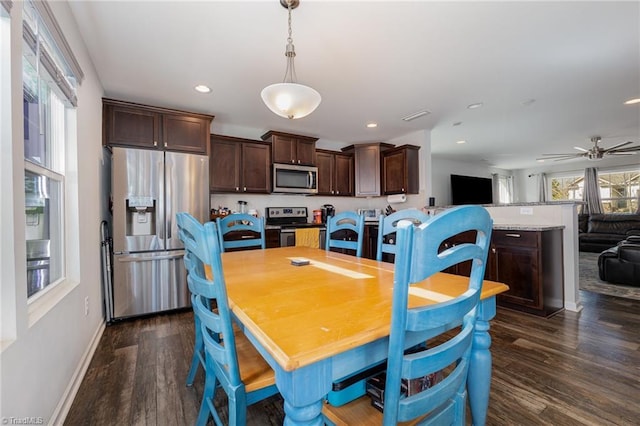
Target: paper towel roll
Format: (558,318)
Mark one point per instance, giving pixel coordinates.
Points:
(396,198)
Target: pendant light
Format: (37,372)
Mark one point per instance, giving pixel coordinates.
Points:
(290,99)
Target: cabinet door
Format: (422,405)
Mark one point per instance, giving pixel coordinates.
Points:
(518,268)
(185,133)
(131,127)
(394,173)
(305,152)
(343,175)
(224,166)
(367,164)
(256,168)
(283,149)
(326,173)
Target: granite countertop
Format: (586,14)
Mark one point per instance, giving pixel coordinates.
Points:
(527,227)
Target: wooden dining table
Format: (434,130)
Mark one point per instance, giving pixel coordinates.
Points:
(320,322)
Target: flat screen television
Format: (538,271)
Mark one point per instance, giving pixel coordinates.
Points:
(471,190)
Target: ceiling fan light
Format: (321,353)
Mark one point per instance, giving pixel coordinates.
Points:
(290,100)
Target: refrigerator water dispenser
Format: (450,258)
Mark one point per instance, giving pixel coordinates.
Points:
(140,216)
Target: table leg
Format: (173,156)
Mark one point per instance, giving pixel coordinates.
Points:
(479,379)
(303,390)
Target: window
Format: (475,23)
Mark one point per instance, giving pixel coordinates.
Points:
(48,96)
(504,188)
(618,189)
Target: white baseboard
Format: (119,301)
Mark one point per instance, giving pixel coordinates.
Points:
(61,411)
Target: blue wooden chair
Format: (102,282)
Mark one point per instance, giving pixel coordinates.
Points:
(190,262)
(345,221)
(241,222)
(451,323)
(387,225)
(231,361)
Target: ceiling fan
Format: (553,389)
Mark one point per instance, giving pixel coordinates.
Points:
(595,152)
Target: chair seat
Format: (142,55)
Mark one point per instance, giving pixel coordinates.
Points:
(255,373)
(358,412)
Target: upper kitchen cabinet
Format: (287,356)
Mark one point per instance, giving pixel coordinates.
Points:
(335,173)
(367,167)
(142,126)
(400,170)
(239,165)
(291,149)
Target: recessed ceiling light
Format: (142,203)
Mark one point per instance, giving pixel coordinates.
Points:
(632,101)
(372,125)
(416,115)
(202,88)
(474,106)
(460,142)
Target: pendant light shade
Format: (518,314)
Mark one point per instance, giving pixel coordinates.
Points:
(290,99)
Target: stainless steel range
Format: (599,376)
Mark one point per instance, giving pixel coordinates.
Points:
(288,219)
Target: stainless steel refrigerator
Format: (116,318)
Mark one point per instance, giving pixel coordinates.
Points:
(148,189)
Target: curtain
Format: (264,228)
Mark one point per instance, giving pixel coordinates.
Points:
(542,187)
(502,189)
(495,187)
(591,192)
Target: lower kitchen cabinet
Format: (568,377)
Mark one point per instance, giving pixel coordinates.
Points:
(529,262)
(272,238)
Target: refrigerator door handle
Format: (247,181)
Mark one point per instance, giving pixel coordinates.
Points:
(168,178)
(139,258)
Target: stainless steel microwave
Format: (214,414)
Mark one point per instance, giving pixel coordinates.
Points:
(295,179)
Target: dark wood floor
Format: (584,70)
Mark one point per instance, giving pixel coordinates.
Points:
(571,369)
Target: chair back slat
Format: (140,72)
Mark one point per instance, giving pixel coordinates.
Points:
(417,258)
(388,225)
(241,222)
(345,221)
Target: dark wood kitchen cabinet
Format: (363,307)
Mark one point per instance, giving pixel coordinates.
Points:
(367,161)
(335,173)
(400,170)
(529,262)
(239,165)
(287,148)
(142,126)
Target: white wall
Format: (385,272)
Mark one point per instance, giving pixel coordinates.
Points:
(42,362)
(443,168)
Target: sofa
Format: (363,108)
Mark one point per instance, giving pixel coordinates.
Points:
(621,264)
(599,232)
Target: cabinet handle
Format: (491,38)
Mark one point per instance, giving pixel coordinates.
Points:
(338,192)
(293,161)
(165,144)
(155,143)
(512,235)
(298,161)
(237,189)
(493,250)
(245,189)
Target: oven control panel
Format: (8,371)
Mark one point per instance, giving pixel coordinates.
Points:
(286,213)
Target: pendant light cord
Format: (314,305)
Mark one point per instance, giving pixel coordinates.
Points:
(290,53)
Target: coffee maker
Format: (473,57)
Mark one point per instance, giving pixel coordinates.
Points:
(327,211)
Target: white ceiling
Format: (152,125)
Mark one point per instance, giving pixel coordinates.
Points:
(382,60)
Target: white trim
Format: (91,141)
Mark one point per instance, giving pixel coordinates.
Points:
(64,405)
(39,307)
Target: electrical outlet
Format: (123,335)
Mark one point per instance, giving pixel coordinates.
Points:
(86,305)
(526,210)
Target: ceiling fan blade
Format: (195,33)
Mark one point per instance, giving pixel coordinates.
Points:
(620,153)
(627,149)
(559,156)
(580,149)
(617,146)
